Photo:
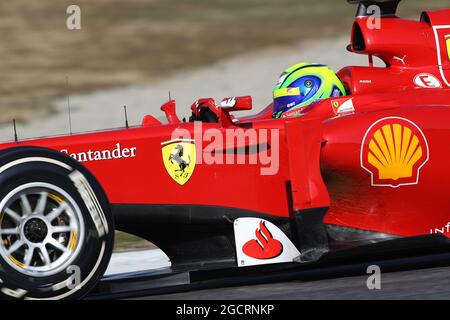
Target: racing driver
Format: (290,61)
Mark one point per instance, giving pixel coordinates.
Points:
(302,84)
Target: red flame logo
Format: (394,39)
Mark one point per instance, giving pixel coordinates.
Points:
(266,247)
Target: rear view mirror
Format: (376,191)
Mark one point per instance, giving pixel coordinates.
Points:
(237,103)
(233,104)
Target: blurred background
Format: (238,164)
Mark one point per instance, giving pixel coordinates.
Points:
(139,45)
(124,42)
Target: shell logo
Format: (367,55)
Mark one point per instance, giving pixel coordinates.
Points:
(447,42)
(393,151)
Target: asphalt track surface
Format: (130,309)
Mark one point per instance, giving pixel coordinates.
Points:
(410,277)
(433,283)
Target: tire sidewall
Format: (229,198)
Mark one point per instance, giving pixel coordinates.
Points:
(28,165)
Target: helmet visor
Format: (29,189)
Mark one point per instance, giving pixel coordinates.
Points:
(299,92)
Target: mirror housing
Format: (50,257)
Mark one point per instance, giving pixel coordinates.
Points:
(233,104)
(237,103)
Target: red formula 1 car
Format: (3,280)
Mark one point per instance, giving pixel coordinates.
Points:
(363,173)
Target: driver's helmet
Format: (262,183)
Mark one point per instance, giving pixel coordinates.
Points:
(302,84)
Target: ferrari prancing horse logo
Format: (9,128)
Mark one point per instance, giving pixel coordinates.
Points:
(179,159)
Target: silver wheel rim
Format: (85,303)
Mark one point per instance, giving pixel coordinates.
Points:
(41,229)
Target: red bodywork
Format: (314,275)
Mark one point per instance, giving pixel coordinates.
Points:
(323,153)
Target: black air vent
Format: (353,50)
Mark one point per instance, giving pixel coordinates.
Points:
(359,44)
(425,18)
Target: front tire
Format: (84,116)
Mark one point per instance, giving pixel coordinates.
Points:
(56,227)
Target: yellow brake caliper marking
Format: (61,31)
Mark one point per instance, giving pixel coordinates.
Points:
(55,197)
(73,240)
(18,263)
(73,235)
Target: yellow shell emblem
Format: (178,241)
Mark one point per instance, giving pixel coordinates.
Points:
(447,42)
(393,151)
(179,159)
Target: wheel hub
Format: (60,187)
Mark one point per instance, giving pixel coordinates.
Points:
(35,230)
(41,230)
